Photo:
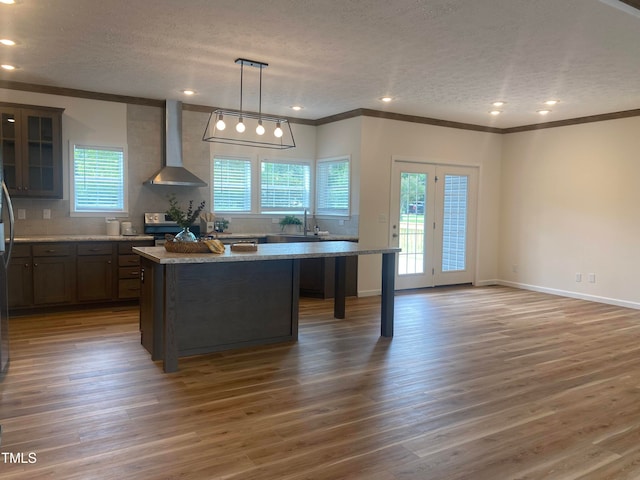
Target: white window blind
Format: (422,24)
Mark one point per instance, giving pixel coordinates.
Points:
(333,187)
(98,179)
(231,185)
(284,187)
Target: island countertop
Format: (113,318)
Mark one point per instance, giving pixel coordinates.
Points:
(266,251)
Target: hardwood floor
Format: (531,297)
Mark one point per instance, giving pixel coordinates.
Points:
(478,383)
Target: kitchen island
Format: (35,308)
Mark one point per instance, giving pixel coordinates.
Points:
(199,303)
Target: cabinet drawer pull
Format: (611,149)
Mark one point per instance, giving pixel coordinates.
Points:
(134,274)
(50,250)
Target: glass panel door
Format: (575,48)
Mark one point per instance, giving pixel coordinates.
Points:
(432,217)
(412,223)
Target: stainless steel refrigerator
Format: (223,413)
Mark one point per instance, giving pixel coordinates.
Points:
(6,244)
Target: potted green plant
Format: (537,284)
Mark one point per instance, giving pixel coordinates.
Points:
(183,219)
(290,223)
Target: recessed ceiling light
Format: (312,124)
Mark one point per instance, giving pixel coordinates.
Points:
(188,92)
(8,2)
(495,112)
(544,112)
(297,108)
(551,102)
(7,42)
(8,67)
(498,104)
(386,99)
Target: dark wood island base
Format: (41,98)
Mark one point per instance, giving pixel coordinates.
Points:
(190,307)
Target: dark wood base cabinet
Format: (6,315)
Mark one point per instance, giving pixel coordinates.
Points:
(59,274)
(218,307)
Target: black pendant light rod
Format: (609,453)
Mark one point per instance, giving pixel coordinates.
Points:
(241,76)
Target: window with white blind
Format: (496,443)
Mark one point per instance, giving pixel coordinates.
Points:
(284,186)
(231,185)
(98,180)
(333,186)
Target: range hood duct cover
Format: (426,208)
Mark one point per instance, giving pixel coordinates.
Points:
(174,173)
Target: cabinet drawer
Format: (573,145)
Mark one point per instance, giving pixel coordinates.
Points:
(20,250)
(128,260)
(53,249)
(129,272)
(129,288)
(95,248)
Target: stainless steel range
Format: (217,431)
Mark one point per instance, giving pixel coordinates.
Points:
(159,224)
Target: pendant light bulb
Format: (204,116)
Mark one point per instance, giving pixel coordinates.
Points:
(240,126)
(260,128)
(220,125)
(278,131)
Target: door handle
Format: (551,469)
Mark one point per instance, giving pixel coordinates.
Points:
(395,235)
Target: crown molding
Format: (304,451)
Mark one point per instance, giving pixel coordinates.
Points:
(359,112)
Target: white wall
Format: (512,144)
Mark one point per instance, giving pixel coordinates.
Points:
(570,202)
(381,140)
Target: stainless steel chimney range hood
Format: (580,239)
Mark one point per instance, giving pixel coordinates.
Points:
(174,173)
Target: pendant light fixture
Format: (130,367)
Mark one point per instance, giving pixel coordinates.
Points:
(269,132)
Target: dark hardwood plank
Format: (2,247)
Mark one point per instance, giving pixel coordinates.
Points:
(482,383)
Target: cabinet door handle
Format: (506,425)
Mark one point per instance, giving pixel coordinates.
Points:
(26,265)
(35,264)
(109,262)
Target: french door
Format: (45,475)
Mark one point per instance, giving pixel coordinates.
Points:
(432,221)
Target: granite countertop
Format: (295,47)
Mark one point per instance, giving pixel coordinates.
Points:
(266,251)
(141,237)
(82,238)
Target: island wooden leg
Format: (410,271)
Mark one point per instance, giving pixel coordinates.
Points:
(388,293)
(340,287)
(170,351)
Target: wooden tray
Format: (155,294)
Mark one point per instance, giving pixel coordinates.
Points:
(244,247)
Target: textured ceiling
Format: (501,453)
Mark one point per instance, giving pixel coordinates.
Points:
(444,59)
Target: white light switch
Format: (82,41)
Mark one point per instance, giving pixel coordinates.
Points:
(592,278)
(22,214)
(46,213)
(578,277)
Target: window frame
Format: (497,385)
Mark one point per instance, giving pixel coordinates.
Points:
(124,211)
(333,212)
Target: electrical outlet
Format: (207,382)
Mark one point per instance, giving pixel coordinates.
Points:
(22,214)
(592,278)
(275,220)
(514,268)
(578,277)
(340,222)
(46,214)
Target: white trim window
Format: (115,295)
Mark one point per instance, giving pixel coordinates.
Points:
(232,184)
(333,186)
(285,186)
(98,180)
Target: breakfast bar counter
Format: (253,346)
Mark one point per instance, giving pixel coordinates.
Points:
(195,303)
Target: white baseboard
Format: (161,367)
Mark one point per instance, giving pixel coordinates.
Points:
(369,293)
(566,293)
